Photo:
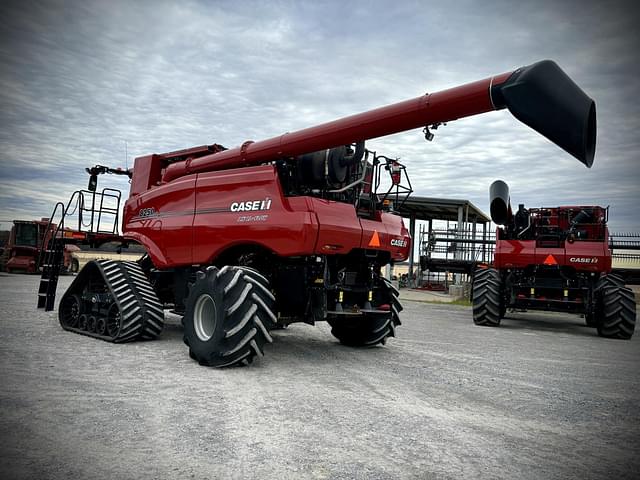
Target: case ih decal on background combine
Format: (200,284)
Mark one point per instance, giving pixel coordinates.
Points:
(316,256)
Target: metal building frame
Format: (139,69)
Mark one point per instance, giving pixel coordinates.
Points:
(466,215)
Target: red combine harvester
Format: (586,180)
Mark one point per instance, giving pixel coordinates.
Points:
(296,228)
(554,259)
(23,248)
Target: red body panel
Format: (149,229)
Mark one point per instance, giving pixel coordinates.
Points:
(339,228)
(591,254)
(23,259)
(286,228)
(582,255)
(194,219)
(161,219)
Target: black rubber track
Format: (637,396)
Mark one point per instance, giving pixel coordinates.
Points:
(141,316)
(142,289)
(240,321)
(370,330)
(618,318)
(488,305)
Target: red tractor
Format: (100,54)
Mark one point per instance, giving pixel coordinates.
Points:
(296,228)
(555,259)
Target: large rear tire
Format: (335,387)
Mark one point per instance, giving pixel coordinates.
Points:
(610,280)
(488,302)
(605,281)
(228,314)
(618,318)
(371,329)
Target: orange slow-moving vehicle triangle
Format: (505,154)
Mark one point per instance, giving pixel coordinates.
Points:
(375,240)
(550,260)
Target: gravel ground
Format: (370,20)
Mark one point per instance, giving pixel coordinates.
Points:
(541,397)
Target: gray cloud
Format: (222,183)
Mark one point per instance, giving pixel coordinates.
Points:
(78,79)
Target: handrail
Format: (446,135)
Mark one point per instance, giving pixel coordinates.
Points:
(77,203)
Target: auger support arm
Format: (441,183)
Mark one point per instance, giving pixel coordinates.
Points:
(541,95)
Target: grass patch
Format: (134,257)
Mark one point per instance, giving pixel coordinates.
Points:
(462,302)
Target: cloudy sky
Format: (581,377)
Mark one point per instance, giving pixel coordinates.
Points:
(79,79)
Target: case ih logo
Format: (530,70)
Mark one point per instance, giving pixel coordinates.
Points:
(583,259)
(251,205)
(398,242)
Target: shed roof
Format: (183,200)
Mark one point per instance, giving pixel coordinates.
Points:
(430,208)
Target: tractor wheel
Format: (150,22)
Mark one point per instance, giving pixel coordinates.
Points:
(488,305)
(371,329)
(228,315)
(618,315)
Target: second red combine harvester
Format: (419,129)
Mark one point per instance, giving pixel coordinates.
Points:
(555,259)
(23,248)
(296,228)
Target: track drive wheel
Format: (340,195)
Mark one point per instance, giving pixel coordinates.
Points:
(618,313)
(70,311)
(228,315)
(488,304)
(371,329)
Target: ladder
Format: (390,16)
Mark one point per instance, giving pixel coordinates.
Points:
(51,258)
(51,266)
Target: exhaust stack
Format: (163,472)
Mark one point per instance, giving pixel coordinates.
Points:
(500,203)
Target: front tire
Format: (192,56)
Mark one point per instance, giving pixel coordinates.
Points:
(228,314)
(488,304)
